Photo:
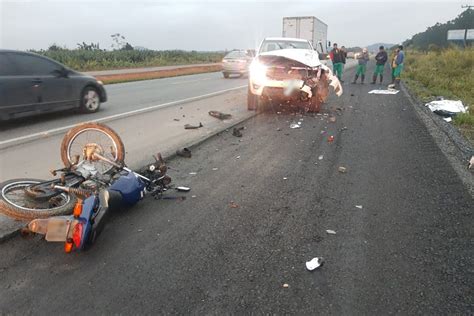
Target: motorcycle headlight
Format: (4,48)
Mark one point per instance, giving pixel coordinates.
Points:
(258,72)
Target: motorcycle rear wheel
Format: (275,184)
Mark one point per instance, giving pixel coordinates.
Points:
(15,202)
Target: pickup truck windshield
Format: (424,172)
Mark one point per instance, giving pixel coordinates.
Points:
(236,54)
(270,45)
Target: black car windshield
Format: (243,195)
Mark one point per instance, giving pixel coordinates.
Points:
(236,54)
(270,45)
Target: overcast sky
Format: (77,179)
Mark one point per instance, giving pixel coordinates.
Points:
(210,25)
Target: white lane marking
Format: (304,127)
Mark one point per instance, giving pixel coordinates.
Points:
(112,117)
(195,80)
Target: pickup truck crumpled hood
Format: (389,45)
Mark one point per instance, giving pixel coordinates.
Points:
(307,57)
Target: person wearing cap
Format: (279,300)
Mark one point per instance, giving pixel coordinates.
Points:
(337,58)
(362,59)
(381,58)
(398,64)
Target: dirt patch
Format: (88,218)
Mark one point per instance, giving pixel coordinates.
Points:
(108,79)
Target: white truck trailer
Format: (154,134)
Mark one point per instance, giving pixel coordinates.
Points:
(309,28)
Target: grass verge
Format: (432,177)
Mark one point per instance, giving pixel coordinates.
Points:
(448,73)
(119,78)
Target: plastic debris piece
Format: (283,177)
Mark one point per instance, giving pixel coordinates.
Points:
(330,232)
(471,163)
(359,206)
(193,173)
(233,204)
(446,108)
(332,119)
(139,230)
(215,169)
(184,152)
(220,115)
(342,169)
(294,125)
(320,157)
(389,91)
(193,196)
(278,129)
(285,178)
(183,189)
(237,131)
(314,263)
(189,126)
(238,157)
(447,119)
(286,285)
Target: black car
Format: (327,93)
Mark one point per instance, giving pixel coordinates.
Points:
(31,84)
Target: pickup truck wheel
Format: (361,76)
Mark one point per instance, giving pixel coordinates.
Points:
(90,100)
(252,101)
(226,75)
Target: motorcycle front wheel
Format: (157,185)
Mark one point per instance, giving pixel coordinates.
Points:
(105,138)
(15,202)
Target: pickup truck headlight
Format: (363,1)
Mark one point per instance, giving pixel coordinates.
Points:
(258,72)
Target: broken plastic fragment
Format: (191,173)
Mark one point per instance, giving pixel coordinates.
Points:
(220,115)
(471,163)
(389,91)
(320,157)
(294,125)
(193,173)
(286,285)
(215,169)
(189,126)
(331,232)
(342,169)
(183,189)
(359,206)
(314,263)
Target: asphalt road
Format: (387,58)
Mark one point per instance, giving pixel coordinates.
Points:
(407,250)
(126,97)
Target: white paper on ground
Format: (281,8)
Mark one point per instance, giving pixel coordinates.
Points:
(447,106)
(376,91)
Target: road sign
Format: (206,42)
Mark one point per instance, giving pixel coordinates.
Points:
(456,35)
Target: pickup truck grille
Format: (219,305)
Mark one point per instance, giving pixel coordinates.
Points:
(283,73)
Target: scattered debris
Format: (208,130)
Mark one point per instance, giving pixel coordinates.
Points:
(343,129)
(238,157)
(278,129)
(330,139)
(330,232)
(286,285)
(184,152)
(447,119)
(139,230)
(294,125)
(359,206)
(220,115)
(332,119)
(183,189)
(215,169)
(233,205)
(320,157)
(237,131)
(471,163)
(314,263)
(342,169)
(193,173)
(189,126)
(177,120)
(285,178)
(446,108)
(389,91)
(193,196)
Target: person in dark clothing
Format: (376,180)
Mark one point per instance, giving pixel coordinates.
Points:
(338,59)
(381,58)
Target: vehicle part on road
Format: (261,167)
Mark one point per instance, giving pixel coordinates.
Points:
(189,126)
(342,169)
(220,115)
(183,189)
(314,263)
(389,91)
(330,232)
(446,108)
(90,100)
(184,152)
(83,140)
(237,131)
(16,203)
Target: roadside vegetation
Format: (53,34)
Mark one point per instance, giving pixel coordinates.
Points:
(97,59)
(448,73)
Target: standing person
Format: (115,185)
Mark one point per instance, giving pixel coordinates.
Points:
(344,55)
(394,65)
(362,59)
(399,66)
(337,58)
(381,58)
